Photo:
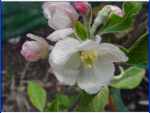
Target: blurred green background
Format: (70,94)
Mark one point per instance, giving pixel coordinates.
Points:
(21,17)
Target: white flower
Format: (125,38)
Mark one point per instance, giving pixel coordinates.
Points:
(87,63)
(60,15)
(60,34)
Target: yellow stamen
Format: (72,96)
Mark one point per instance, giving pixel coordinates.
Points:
(89,65)
(88,58)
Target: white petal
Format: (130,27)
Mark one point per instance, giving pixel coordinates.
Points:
(66,77)
(60,34)
(92,80)
(63,50)
(61,20)
(50,7)
(47,10)
(111,53)
(67,74)
(88,45)
(98,39)
(71,12)
(51,24)
(34,37)
(59,14)
(65,60)
(116,10)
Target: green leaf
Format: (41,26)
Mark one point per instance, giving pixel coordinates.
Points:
(119,24)
(138,53)
(84,101)
(93,102)
(100,100)
(114,19)
(132,8)
(63,100)
(81,30)
(59,103)
(37,95)
(122,25)
(129,79)
(53,106)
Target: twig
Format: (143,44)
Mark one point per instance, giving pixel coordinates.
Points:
(47,74)
(21,88)
(13,91)
(23,74)
(111,104)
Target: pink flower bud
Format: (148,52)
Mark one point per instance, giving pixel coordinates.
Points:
(34,50)
(82,7)
(116,10)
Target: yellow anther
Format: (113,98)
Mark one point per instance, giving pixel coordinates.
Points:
(91,57)
(88,58)
(89,65)
(82,58)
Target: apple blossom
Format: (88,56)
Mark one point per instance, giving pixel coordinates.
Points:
(87,63)
(60,15)
(36,49)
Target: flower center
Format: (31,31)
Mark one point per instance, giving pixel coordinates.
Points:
(88,58)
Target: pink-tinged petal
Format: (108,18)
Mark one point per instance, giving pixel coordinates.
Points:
(60,20)
(116,10)
(60,15)
(34,50)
